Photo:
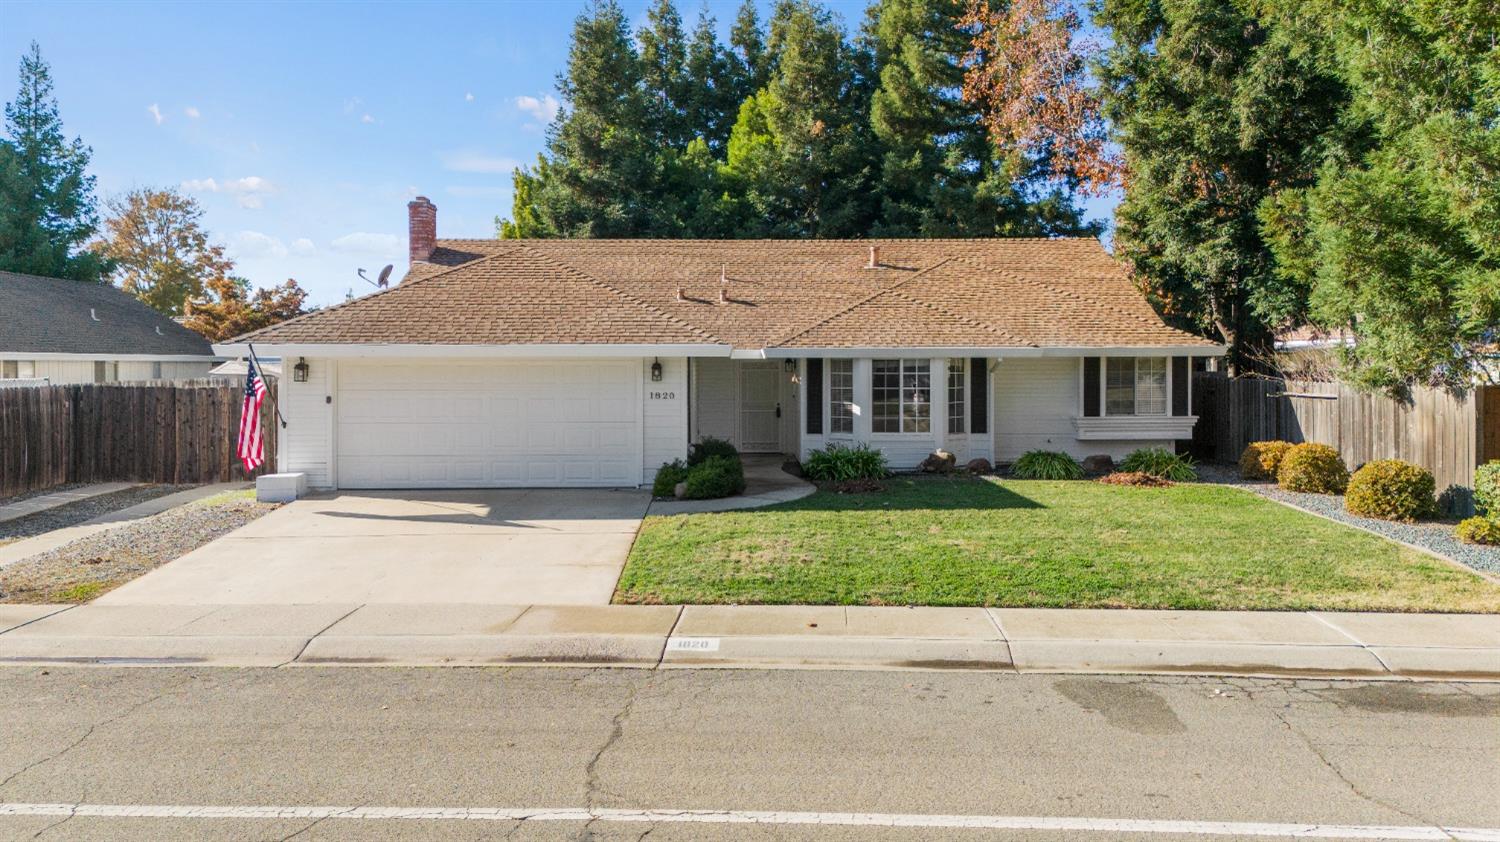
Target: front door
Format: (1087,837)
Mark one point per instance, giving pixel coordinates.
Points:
(759,421)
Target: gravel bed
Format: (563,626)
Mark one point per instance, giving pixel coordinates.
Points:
(72,514)
(1436,536)
(92,565)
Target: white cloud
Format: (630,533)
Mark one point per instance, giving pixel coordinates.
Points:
(155,111)
(201,185)
(363,242)
(471,160)
(469,97)
(254,244)
(303,246)
(542,110)
(250,191)
(367,119)
(192,112)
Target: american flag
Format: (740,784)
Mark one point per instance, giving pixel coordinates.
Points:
(251,447)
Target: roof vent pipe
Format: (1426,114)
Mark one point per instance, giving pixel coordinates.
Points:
(158,331)
(680,295)
(724,295)
(93,315)
(874,258)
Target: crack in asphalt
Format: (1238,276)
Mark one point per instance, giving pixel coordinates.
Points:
(90,732)
(1351,785)
(592,789)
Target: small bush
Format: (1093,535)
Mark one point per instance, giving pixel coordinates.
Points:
(1313,468)
(1138,478)
(1391,489)
(667,477)
(1479,530)
(708,449)
(837,463)
(1160,463)
(1046,464)
(1487,488)
(1261,459)
(716,476)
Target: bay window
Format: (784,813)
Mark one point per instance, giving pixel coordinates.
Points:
(1135,386)
(901,396)
(841,396)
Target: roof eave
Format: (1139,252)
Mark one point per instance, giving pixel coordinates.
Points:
(350,350)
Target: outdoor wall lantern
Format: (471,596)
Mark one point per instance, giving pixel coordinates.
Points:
(656,371)
(299,371)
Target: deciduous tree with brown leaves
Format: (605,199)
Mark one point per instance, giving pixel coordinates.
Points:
(160,252)
(231,309)
(1027,71)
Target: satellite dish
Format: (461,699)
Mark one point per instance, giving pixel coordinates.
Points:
(385,276)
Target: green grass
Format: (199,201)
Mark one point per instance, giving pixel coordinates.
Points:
(244,494)
(81,592)
(1038,543)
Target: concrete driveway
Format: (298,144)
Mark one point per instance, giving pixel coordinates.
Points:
(513,547)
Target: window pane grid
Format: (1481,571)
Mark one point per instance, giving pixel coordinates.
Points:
(1135,386)
(957,378)
(901,396)
(885,396)
(841,396)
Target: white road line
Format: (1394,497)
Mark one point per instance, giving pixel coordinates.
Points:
(766,817)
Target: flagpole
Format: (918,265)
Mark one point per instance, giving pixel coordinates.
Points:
(276,402)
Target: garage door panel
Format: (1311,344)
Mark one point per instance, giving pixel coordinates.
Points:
(489,425)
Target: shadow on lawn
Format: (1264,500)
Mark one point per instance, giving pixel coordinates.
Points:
(917,492)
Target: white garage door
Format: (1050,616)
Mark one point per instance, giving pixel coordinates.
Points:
(489,424)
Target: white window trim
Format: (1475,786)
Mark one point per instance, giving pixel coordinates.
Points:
(963,393)
(1135,393)
(901,402)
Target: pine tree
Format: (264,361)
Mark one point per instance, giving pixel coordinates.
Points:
(664,76)
(47,209)
(748,61)
(715,88)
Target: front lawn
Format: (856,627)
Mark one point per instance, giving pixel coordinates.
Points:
(960,541)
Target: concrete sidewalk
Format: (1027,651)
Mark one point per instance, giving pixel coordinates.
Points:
(53,499)
(1312,644)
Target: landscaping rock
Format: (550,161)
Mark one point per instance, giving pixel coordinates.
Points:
(940,462)
(981,467)
(1099,463)
(679,490)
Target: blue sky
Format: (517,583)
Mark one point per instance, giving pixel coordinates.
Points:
(303,128)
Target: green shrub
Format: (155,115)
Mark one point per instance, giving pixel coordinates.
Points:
(667,477)
(1046,464)
(1160,463)
(1261,459)
(1479,530)
(1313,468)
(716,476)
(1391,489)
(708,449)
(1487,488)
(837,463)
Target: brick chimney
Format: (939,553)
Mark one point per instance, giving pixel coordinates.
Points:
(421,228)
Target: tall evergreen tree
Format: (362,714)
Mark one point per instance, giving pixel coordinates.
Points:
(747,53)
(715,87)
(1216,112)
(664,77)
(939,173)
(47,209)
(801,154)
(603,167)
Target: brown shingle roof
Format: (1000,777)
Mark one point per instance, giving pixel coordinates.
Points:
(790,293)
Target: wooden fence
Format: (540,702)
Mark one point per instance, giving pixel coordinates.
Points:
(1446,434)
(178,432)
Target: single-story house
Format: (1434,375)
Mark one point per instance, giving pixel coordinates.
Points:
(59,331)
(592,362)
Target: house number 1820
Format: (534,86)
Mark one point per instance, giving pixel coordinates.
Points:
(664,396)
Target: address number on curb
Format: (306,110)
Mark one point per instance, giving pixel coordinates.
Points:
(693,644)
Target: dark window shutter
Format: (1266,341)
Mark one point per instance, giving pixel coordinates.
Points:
(813,390)
(1181,382)
(979,395)
(1091,386)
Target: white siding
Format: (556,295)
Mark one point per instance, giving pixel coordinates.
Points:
(713,398)
(1035,403)
(62,372)
(666,415)
(306,443)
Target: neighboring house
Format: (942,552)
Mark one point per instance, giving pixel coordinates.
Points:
(59,331)
(592,362)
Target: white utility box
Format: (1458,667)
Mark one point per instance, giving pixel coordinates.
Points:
(280,488)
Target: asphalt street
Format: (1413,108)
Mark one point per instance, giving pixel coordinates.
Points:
(486,753)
